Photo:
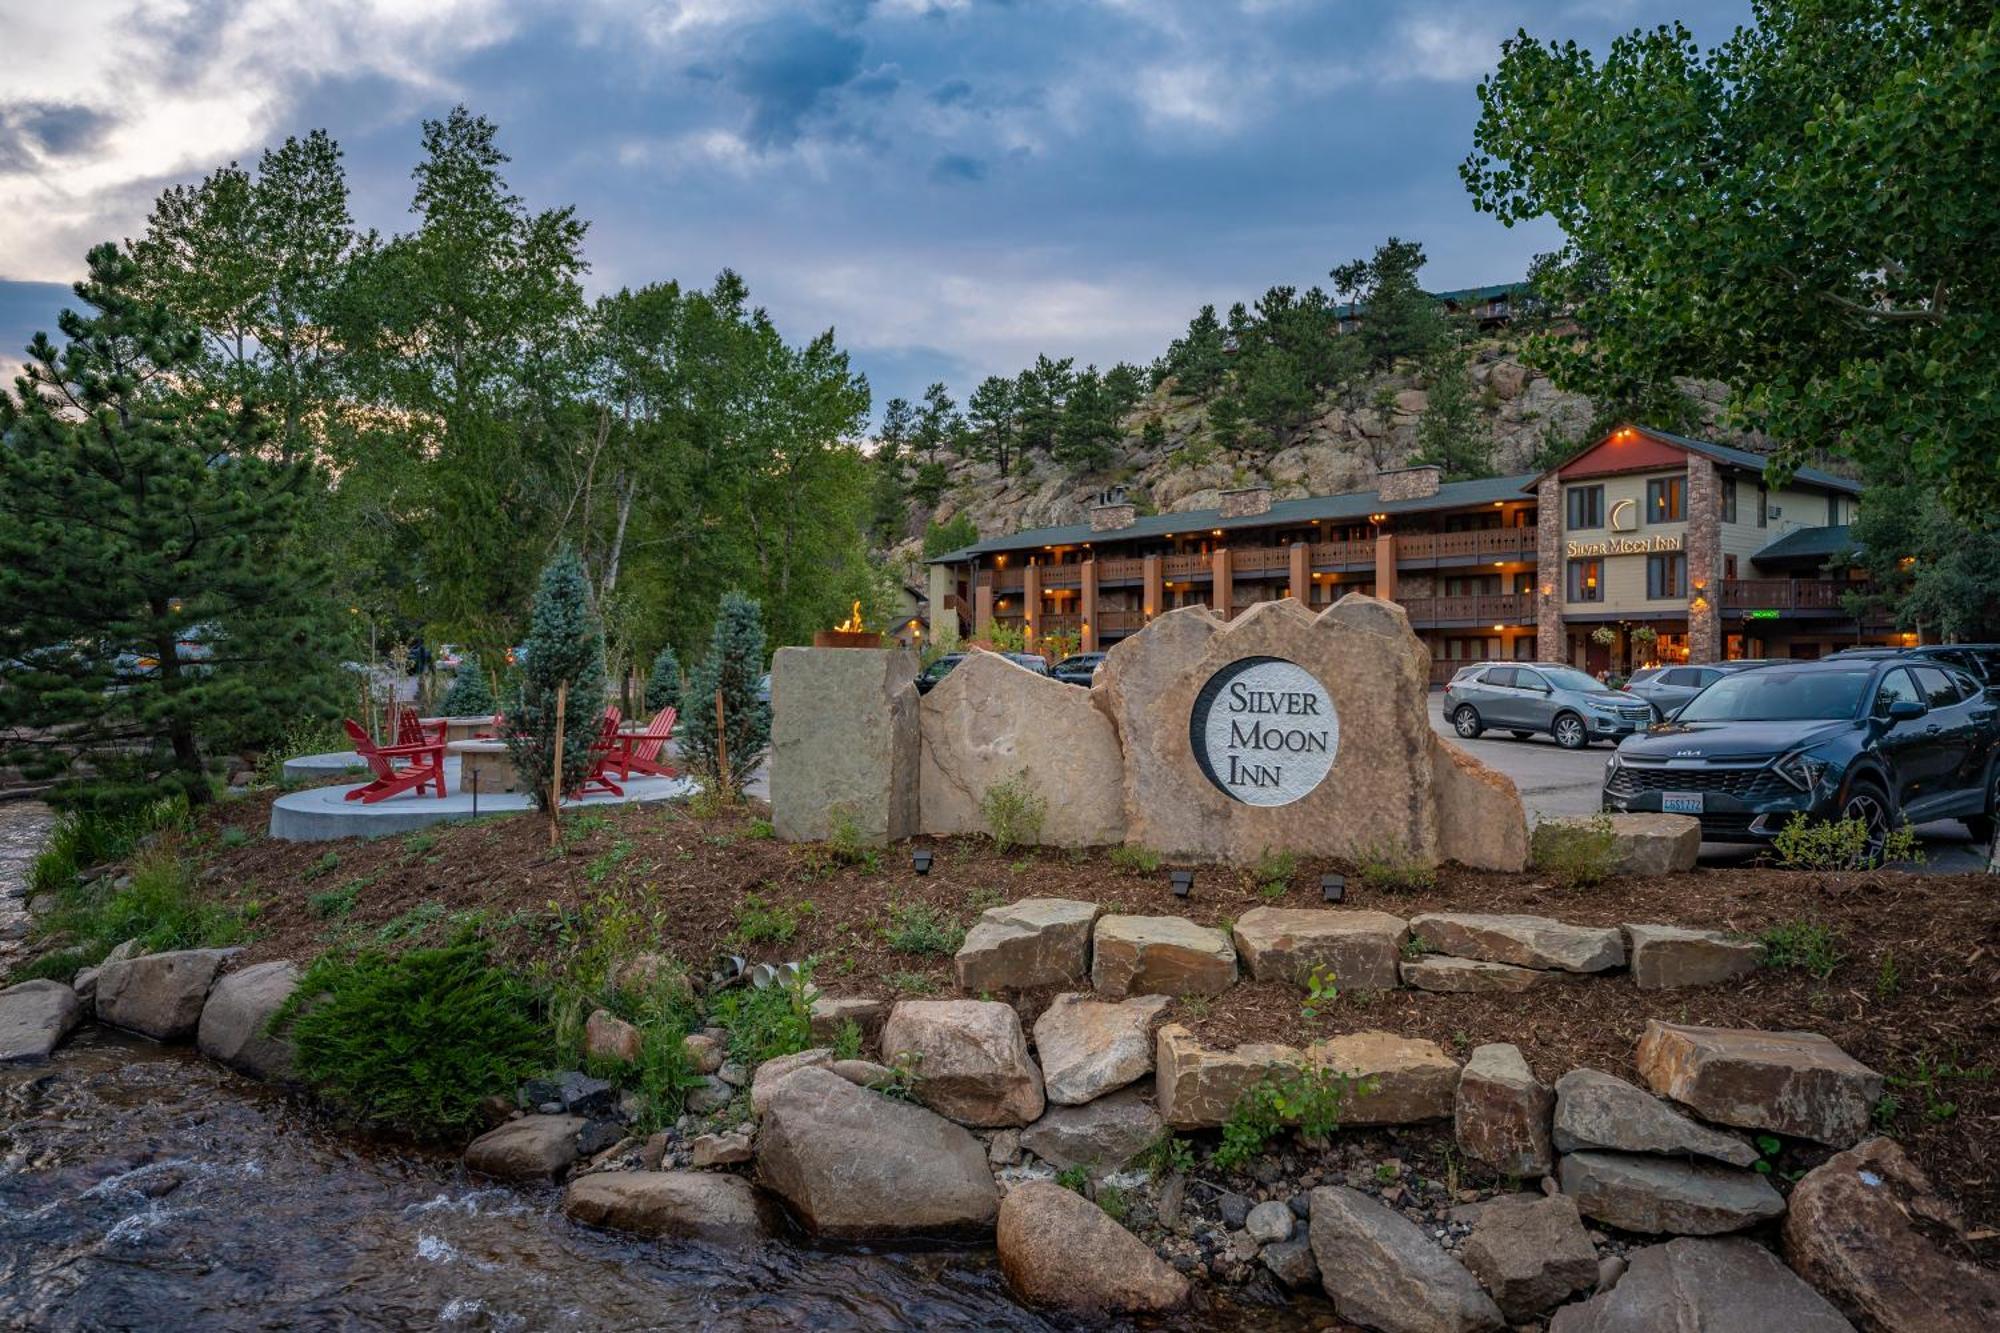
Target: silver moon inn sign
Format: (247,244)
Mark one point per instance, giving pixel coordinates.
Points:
(1264,731)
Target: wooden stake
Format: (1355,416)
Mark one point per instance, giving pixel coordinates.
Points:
(555,779)
(721,748)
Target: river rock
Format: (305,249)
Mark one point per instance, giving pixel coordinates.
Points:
(1671,957)
(704,1053)
(709,1150)
(1469,976)
(1089,1047)
(1642,844)
(1102,1136)
(991,721)
(1414,1079)
(855,1164)
(864,1073)
(832,1013)
(1197,1086)
(1856,1228)
(1796,1083)
(1269,1222)
(1159,955)
(1500,1113)
(844,743)
(773,1072)
(1704,1286)
(1034,942)
(1358,949)
(675,1205)
(1657,1194)
(1531,1252)
(610,1039)
(1524,941)
(35,1016)
(238,1011)
(1292,1263)
(709,1095)
(1061,1251)
(1596,1110)
(159,995)
(1383,1273)
(970,1059)
(531,1148)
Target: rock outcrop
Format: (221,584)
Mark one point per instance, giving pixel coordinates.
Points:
(1059,1250)
(970,1059)
(844,743)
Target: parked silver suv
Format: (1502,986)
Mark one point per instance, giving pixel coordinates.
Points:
(1527,697)
(1668,688)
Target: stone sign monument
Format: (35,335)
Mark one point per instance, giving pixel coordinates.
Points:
(1264,731)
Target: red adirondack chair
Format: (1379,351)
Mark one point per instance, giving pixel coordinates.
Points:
(413,730)
(604,754)
(641,754)
(422,766)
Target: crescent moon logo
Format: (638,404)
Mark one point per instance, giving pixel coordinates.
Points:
(1621,516)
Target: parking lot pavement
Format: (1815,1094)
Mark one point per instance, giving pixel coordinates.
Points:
(1555,781)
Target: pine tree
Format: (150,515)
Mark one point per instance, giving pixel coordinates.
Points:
(1398,318)
(565,645)
(663,686)
(156,608)
(1196,360)
(469,695)
(734,663)
(1225,420)
(992,412)
(1089,428)
(1450,433)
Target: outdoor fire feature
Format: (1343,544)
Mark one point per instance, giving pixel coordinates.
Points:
(848,633)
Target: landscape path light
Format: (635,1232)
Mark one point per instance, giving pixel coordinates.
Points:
(1333,888)
(920,860)
(1183,882)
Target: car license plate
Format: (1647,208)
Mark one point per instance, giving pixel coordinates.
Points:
(1681,802)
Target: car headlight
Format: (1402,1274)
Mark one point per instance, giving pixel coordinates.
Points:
(1613,764)
(1801,769)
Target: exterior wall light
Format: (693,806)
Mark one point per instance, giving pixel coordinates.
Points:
(1333,888)
(1183,882)
(920,860)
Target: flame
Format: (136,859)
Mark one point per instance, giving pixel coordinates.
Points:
(851,625)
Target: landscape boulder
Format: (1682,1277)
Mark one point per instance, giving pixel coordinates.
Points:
(1523,941)
(1795,1083)
(1159,955)
(1197,1086)
(1481,822)
(35,1017)
(1531,1252)
(673,1205)
(1704,1286)
(832,1013)
(159,995)
(1500,1113)
(1061,1251)
(1469,976)
(610,1039)
(1102,1136)
(844,743)
(970,1060)
(1381,1272)
(1356,948)
(1641,844)
(773,1072)
(535,1147)
(1034,942)
(1088,1047)
(1411,1079)
(1672,958)
(239,1010)
(855,1164)
(1659,1195)
(703,1053)
(1596,1110)
(709,1150)
(1860,1228)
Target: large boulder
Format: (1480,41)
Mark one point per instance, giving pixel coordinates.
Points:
(1411,1079)
(1596,1110)
(1659,1195)
(1382,1272)
(1796,1083)
(855,1164)
(1468,976)
(1672,957)
(1642,844)
(1197,1086)
(1704,1286)
(992,721)
(844,742)
(35,1016)
(1500,1114)
(1034,942)
(674,1205)
(535,1147)
(764,1083)
(1100,1137)
(970,1060)
(1480,818)
(1524,941)
(1089,1047)
(1159,955)
(1358,949)
(1531,1252)
(239,1010)
(1859,1227)
(159,995)
(1059,1250)
(832,1013)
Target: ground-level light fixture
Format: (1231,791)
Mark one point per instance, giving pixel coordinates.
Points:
(920,860)
(1183,882)
(1333,888)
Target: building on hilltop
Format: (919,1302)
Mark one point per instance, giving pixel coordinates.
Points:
(1491,307)
(1641,530)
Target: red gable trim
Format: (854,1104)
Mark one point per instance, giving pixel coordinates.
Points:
(1626,449)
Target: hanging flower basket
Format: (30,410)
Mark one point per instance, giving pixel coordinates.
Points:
(1604,635)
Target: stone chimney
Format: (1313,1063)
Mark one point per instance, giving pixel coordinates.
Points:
(1409,483)
(1112,511)
(1248,502)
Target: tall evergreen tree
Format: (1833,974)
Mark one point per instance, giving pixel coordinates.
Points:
(734,663)
(1124,385)
(991,410)
(889,494)
(565,646)
(1039,394)
(1196,360)
(1087,437)
(1399,319)
(470,695)
(1450,433)
(663,685)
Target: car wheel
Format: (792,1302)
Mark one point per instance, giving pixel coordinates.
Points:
(1520,735)
(1981,826)
(1869,804)
(1466,722)
(1569,731)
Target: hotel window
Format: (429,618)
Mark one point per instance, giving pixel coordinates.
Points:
(1666,576)
(1666,500)
(1832,511)
(1586,507)
(1763,506)
(1729,499)
(1729,566)
(1586,580)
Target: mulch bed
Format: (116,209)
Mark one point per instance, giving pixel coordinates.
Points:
(1917,988)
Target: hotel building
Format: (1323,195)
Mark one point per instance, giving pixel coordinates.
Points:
(1641,531)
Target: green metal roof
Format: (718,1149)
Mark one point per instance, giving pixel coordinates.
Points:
(1819,543)
(1282,513)
(1456,296)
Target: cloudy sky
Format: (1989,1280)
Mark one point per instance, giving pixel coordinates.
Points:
(954,185)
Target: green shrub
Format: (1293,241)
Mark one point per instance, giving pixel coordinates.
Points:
(1575,856)
(1389,868)
(762,922)
(765,1024)
(1310,1098)
(846,843)
(335,902)
(1134,860)
(157,906)
(919,929)
(735,662)
(412,1042)
(1273,873)
(1841,844)
(1803,944)
(471,694)
(1013,811)
(663,682)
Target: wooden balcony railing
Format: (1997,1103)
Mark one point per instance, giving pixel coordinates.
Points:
(1121,571)
(1185,566)
(1006,580)
(1478,544)
(1786,594)
(1260,560)
(1333,555)
(1483,608)
(1062,576)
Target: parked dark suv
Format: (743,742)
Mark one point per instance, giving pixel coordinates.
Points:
(1880,739)
(1979,660)
(938,670)
(1078,669)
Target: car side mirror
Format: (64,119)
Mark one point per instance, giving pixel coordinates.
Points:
(1904,710)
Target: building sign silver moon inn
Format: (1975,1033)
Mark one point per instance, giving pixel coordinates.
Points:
(1264,731)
